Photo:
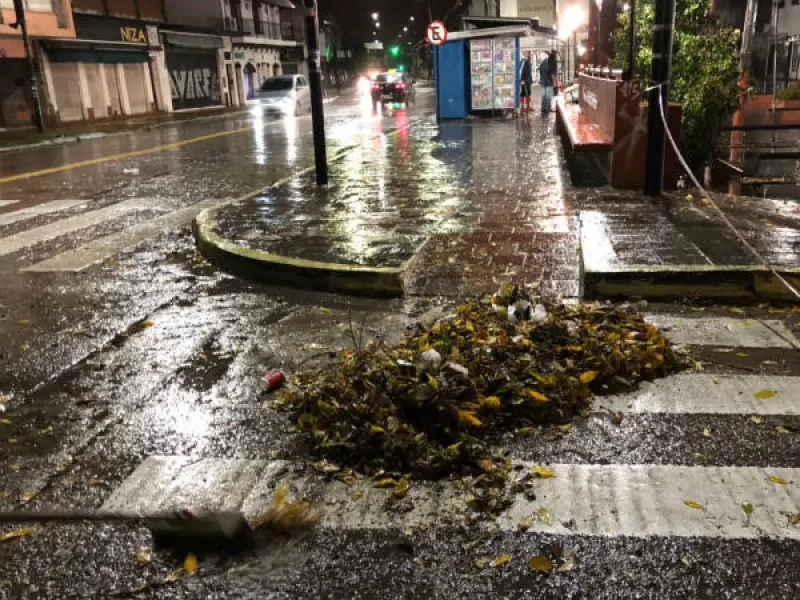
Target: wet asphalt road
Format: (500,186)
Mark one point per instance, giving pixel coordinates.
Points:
(155,352)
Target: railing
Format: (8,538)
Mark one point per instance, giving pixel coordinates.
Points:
(269,30)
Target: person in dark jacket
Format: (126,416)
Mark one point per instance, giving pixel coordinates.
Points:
(548,72)
(526,79)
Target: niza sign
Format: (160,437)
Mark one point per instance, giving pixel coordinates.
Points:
(88,27)
(194,79)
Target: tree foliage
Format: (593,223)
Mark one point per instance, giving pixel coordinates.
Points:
(705,71)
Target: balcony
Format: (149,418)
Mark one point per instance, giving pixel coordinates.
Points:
(253,27)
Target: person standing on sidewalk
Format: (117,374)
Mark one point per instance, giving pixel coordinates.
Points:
(548,71)
(526,79)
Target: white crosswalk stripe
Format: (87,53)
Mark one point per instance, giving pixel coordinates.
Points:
(38,210)
(636,500)
(100,249)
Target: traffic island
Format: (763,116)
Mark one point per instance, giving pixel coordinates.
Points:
(680,248)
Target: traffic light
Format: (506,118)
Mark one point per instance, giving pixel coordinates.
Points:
(394,51)
(401,68)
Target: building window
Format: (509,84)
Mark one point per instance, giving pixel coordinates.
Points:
(38,5)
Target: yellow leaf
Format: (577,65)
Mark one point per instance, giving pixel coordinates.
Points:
(778,480)
(736,310)
(385,483)
(281,492)
(147,323)
(18,533)
(190,564)
(781,429)
(470,327)
(175,575)
(541,564)
(5,422)
(697,309)
(537,396)
(794,519)
(689,197)
(692,504)
(402,487)
(24,321)
(28,496)
(567,566)
(501,560)
(757,420)
(589,376)
(542,472)
(144,555)
(376,429)
(707,432)
(526,524)
(544,516)
(468,418)
(490,402)
(434,383)
(765,394)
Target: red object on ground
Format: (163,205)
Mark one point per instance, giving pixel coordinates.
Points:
(274,380)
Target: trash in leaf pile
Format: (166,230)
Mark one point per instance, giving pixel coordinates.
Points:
(441,403)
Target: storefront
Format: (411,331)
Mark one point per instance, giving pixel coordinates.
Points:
(255,64)
(294,60)
(477,72)
(105,72)
(193,63)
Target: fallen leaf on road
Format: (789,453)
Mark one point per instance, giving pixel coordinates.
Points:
(175,575)
(526,523)
(567,566)
(781,429)
(692,504)
(468,417)
(5,422)
(490,402)
(28,496)
(565,428)
(697,309)
(46,430)
(501,560)
(144,556)
(747,508)
(385,483)
(544,516)
(589,376)
(24,321)
(537,396)
(778,480)
(541,564)
(482,563)
(757,420)
(707,432)
(18,533)
(147,323)
(190,564)
(736,310)
(402,487)
(542,472)
(765,394)
(794,519)
(616,419)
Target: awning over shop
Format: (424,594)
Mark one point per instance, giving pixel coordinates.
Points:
(94,52)
(201,42)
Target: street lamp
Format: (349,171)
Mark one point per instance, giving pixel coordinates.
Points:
(411,18)
(599,4)
(378,25)
(374,16)
(405,29)
(628,75)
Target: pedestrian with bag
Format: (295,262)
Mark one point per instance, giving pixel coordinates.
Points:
(526,79)
(548,72)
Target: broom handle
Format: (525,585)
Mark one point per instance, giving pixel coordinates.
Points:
(48,516)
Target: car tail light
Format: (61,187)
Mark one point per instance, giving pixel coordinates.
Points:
(401,86)
(376,86)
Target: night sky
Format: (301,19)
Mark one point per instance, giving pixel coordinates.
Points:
(355,17)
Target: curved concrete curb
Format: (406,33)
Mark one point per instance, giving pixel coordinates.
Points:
(381,282)
(691,281)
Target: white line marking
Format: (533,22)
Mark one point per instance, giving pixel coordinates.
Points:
(707,394)
(41,209)
(82,258)
(632,500)
(7,202)
(51,231)
(723,331)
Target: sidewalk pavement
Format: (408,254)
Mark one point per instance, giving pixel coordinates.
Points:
(456,209)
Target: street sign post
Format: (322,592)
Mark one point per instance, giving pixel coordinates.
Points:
(437,33)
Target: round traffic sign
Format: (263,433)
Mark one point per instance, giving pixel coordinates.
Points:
(437,33)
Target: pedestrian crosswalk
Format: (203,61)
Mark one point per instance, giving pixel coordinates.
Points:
(715,500)
(63,222)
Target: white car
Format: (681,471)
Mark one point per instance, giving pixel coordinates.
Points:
(285,94)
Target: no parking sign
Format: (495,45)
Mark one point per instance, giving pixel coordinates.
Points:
(437,33)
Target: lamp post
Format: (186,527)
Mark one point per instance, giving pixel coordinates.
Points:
(599,4)
(628,75)
(38,118)
(317,106)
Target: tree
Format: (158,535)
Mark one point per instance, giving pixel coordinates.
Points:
(705,71)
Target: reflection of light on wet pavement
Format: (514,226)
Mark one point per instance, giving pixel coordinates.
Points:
(596,241)
(290,129)
(259,138)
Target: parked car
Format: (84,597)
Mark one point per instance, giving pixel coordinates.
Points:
(393,88)
(285,94)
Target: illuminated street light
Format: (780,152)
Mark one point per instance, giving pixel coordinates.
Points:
(378,25)
(411,18)
(374,16)
(405,29)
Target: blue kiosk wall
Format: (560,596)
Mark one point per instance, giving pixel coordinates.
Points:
(451,72)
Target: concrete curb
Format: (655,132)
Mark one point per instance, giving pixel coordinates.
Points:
(740,283)
(248,263)
(381,282)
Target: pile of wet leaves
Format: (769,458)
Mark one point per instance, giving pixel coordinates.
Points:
(441,403)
